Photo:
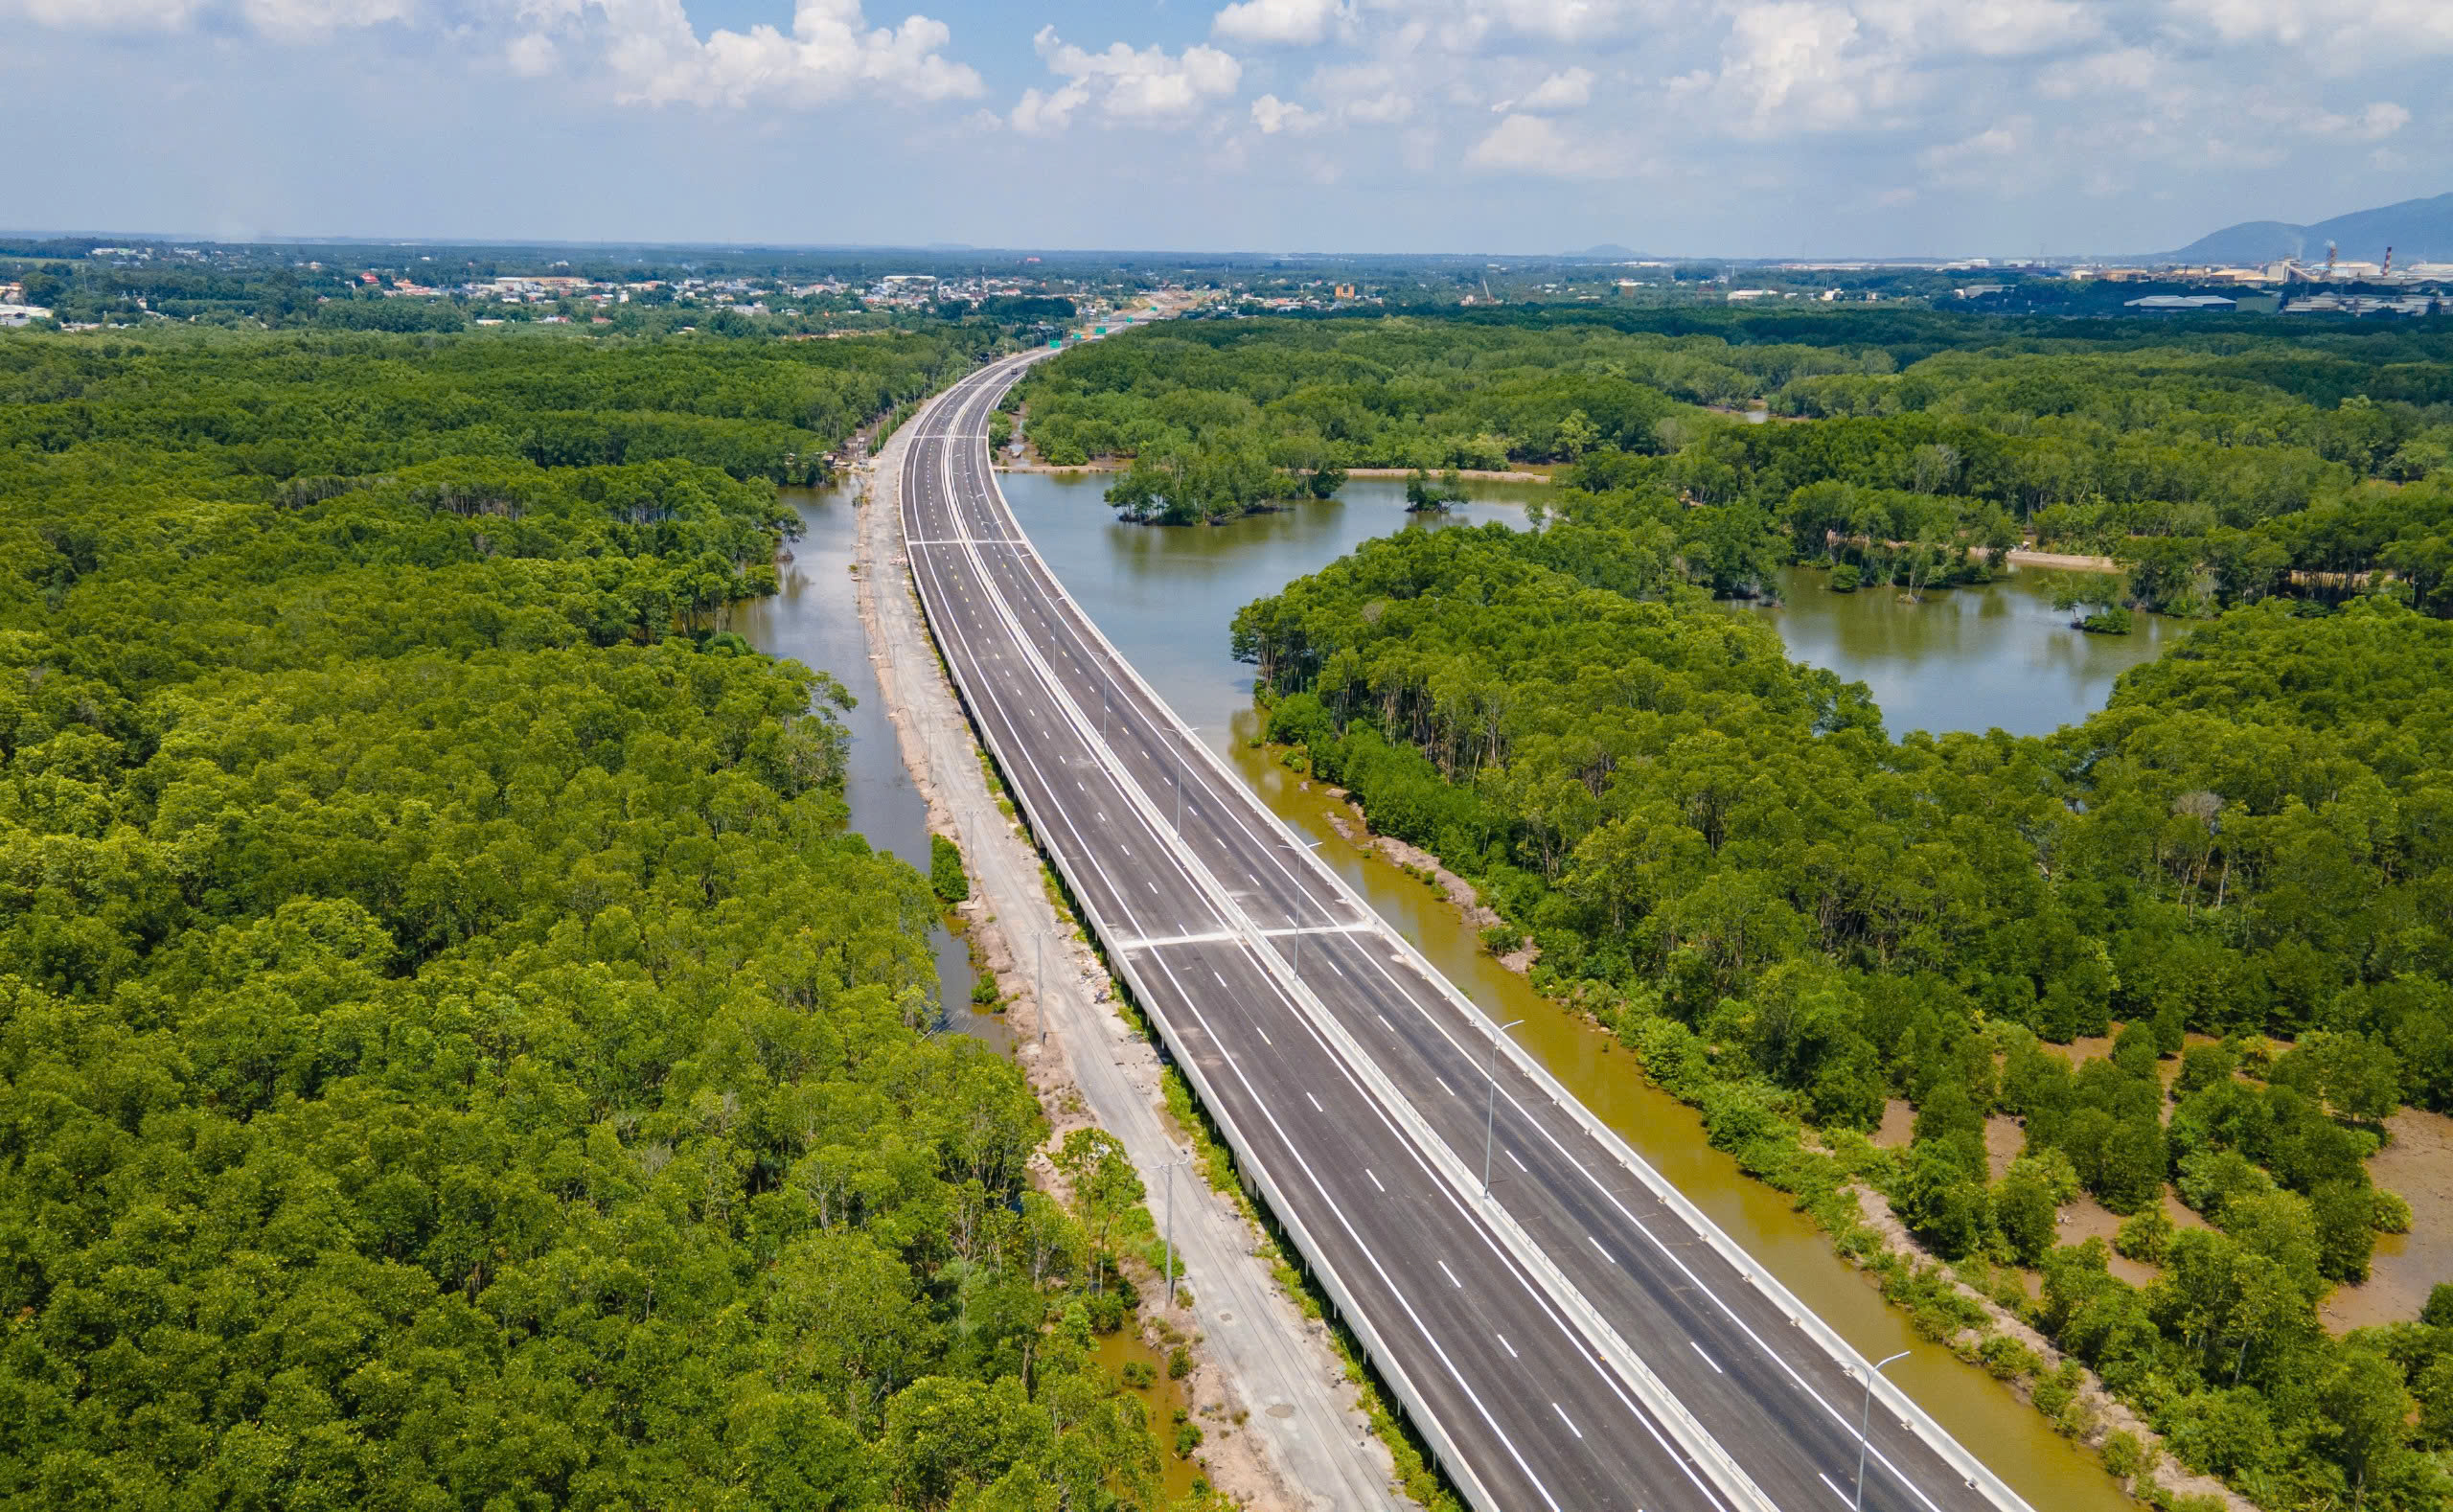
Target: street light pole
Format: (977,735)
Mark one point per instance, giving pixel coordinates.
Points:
(1864,1421)
(1490,1102)
(1039,993)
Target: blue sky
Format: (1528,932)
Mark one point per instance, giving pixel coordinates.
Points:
(1742,127)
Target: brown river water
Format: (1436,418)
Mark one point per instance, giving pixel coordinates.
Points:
(1967,658)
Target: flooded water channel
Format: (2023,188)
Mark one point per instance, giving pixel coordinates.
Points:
(1165,598)
(816,620)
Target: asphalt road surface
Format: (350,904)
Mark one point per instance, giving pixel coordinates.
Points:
(1578,1337)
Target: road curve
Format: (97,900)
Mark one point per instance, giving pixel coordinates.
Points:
(1578,1337)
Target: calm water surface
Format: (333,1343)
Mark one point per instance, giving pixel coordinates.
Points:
(1166,597)
(1978,658)
(816,620)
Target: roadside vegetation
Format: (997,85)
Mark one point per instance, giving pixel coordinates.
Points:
(2233,878)
(452,1051)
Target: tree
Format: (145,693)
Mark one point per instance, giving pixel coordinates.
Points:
(1424,495)
(2344,1216)
(947,877)
(2366,1413)
(1103,1184)
(2023,1210)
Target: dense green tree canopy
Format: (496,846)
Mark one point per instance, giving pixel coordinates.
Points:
(1791,916)
(2219,465)
(453,1052)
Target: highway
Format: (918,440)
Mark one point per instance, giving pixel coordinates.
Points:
(1576,1337)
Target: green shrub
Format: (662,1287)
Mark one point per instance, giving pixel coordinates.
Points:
(946,876)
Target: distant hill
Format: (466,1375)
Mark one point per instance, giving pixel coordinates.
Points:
(2417,230)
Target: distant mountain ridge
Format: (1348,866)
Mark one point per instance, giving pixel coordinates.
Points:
(2417,230)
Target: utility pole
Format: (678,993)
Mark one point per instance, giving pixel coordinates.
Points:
(1180,1160)
(1864,1421)
(1490,1103)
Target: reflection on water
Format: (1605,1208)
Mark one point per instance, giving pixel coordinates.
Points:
(1975,658)
(1166,597)
(1174,589)
(816,620)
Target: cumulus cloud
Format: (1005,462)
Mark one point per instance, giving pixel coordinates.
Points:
(107,15)
(1805,63)
(1277,23)
(306,21)
(1534,144)
(288,20)
(2423,24)
(533,55)
(656,58)
(2377,122)
(2121,71)
(1145,85)
(1371,94)
(1559,20)
(1274,115)
(1986,28)
(1570,90)
(1979,161)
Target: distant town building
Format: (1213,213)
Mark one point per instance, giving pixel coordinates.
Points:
(2180,303)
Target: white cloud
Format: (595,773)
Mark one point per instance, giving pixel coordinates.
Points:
(108,16)
(656,58)
(1559,20)
(1570,90)
(1277,23)
(1274,115)
(1127,84)
(2374,123)
(2121,71)
(1534,144)
(1979,161)
(1987,28)
(1049,114)
(1372,94)
(533,55)
(1799,63)
(287,20)
(308,20)
(2403,24)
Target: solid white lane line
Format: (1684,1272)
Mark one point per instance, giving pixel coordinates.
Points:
(1564,1419)
(1039,570)
(1707,1360)
(1666,1251)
